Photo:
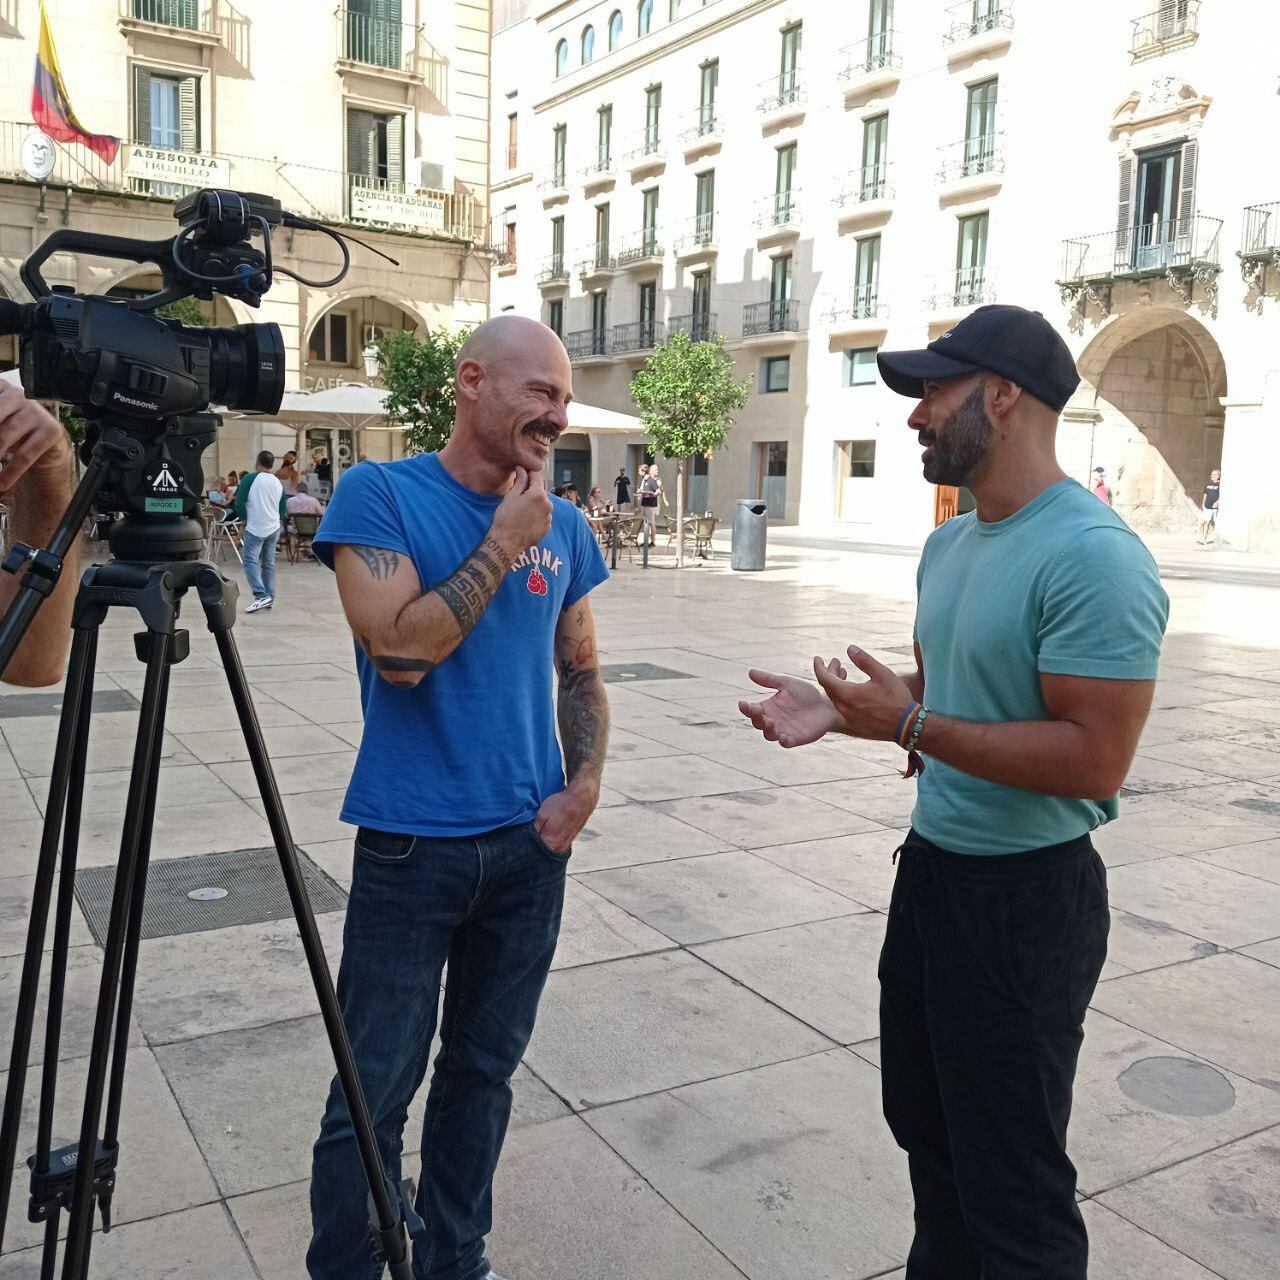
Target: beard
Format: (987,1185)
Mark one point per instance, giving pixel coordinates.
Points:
(961,444)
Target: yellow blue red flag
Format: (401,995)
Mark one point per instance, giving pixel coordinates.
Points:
(50,106)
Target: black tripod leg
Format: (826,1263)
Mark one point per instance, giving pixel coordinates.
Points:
(78,693)
(75,1263)
(388,1219)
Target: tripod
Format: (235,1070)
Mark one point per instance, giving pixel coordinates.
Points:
(76,1177)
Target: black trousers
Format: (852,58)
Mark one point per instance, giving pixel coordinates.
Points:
(987,968)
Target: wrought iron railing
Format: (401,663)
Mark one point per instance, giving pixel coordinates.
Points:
(586,342)
(782,90)
(601,163)
(871,182)
(598,258)
(865,305)
(642,335)
(780,315)
(967,287)
(699,232)
(646,243)
(975,17)
(876,53)
(1150,248)
(645,144)
(327,195)
(782,209)
(556,180)
(186,15)
(705,124)
(700,326)
(981,153)
(553,268)
(1171,21)
(380,42)
(1260,243)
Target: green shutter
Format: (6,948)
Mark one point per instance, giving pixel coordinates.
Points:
(1124,210)
(395,152)
(362,142)
(1187,187)
(189,112)
(141,105)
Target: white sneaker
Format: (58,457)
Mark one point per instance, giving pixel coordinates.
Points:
(264,602)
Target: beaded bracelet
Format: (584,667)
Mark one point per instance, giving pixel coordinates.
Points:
(900,735)
(917,729)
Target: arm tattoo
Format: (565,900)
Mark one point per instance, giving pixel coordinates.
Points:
(390,665)
(582,709)
(380,562)
(467,593)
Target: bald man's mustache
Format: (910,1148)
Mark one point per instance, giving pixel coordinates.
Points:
(540,426)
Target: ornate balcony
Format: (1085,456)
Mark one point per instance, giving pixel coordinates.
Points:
(773,319)
(777,218)
(183,21)
(957,291)
(600,173)
(554,271)
(865,313)
(972,166)
(865,196)
(783,100)
(1260,244)
(598,265)
(646,155)
(390,50)
(587,344)
(643,335)
(977,27)
(696,239)
(871,64)
(704,134)
(1175,24)
(700,326)
(554,188)
(1185,251)
(640,250)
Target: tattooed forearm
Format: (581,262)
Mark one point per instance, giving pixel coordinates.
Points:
(469,590)
(582,709)
(391,667)
(380,562)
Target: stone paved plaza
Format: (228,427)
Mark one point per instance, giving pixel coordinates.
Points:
(701,1097)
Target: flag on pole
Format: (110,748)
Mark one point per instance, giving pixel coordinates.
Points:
(50,106)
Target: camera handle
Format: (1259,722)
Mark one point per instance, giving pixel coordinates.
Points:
(69,240)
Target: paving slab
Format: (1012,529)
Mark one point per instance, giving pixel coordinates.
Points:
(15,915)
(789,768)
(1142,1104)
(1221,1008)
(630,833)
(1120,1251)
(1230,758)
(313,815)
(1150,776)
(1138,943)
(180,787)
(1268,952)
(199,1244)
(756,819)
(672,777)
(17,802)
(161,1169)
(887,799)
(294,774)
(718,896)
(823,973)
(777,1167)
(614,1031)
(1220,1209)
(593,929)
(1260,859)
(859,866)
(283,741)
(1173,825)
(1209,902)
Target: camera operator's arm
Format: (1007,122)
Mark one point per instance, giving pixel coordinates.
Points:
(36,484)
(408,632)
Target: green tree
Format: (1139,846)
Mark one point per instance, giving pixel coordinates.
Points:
(687,397)
(418,375)
(189,311)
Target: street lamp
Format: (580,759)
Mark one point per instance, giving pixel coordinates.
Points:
(372,361)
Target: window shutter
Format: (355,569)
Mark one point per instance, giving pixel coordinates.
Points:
(361,148)
(395,152)
(141,105)
(189,112)
(1187,187)
(1124,211)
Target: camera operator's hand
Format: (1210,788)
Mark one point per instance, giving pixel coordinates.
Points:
(30,436)
(35,484)
(524,515)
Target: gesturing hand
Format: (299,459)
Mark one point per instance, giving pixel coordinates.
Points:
(524,514)
(872,708)
(797,714)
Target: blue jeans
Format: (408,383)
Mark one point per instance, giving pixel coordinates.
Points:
(489,906)
(262,582)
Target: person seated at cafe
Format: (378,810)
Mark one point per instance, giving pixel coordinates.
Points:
(596,500)
(303,504)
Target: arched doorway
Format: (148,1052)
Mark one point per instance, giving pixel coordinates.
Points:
(1155,380)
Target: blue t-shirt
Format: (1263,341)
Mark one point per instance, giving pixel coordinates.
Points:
(473,746)
(1062,587)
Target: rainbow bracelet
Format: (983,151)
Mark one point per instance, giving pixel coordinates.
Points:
(901,735)
(917,729)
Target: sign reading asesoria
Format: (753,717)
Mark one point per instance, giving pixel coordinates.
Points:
(371,204)
(190,168)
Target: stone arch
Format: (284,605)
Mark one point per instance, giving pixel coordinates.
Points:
(364,307)
(1151,391)
(226,311)
(320,304)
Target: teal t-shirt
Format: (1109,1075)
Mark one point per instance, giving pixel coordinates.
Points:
(1062,587)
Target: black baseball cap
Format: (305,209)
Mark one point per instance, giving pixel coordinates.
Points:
(1012,342)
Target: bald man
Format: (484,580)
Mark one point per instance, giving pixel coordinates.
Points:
(464,582)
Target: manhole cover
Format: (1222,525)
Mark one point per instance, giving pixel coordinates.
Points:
(212,891)
(1177,1086)
(50,704)
(625,672)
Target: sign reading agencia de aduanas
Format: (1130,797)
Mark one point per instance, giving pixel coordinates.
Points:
(371,204)
(190,168)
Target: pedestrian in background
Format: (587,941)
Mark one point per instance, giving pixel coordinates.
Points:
(1101,489)
(261,505)
(1209,509)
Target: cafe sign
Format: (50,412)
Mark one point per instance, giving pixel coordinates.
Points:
(189,168)
(371,204)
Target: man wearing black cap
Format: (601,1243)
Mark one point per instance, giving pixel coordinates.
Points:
(1038,629)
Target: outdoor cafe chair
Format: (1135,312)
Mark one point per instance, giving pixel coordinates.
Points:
(224,531)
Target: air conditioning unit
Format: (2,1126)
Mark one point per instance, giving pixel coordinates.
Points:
(430,175)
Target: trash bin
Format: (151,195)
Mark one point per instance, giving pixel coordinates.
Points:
(750,524)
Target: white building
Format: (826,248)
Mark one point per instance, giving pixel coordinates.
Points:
(819,180)
(369,115)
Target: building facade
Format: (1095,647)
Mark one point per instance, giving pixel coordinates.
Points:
(369,115)
(818,181)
